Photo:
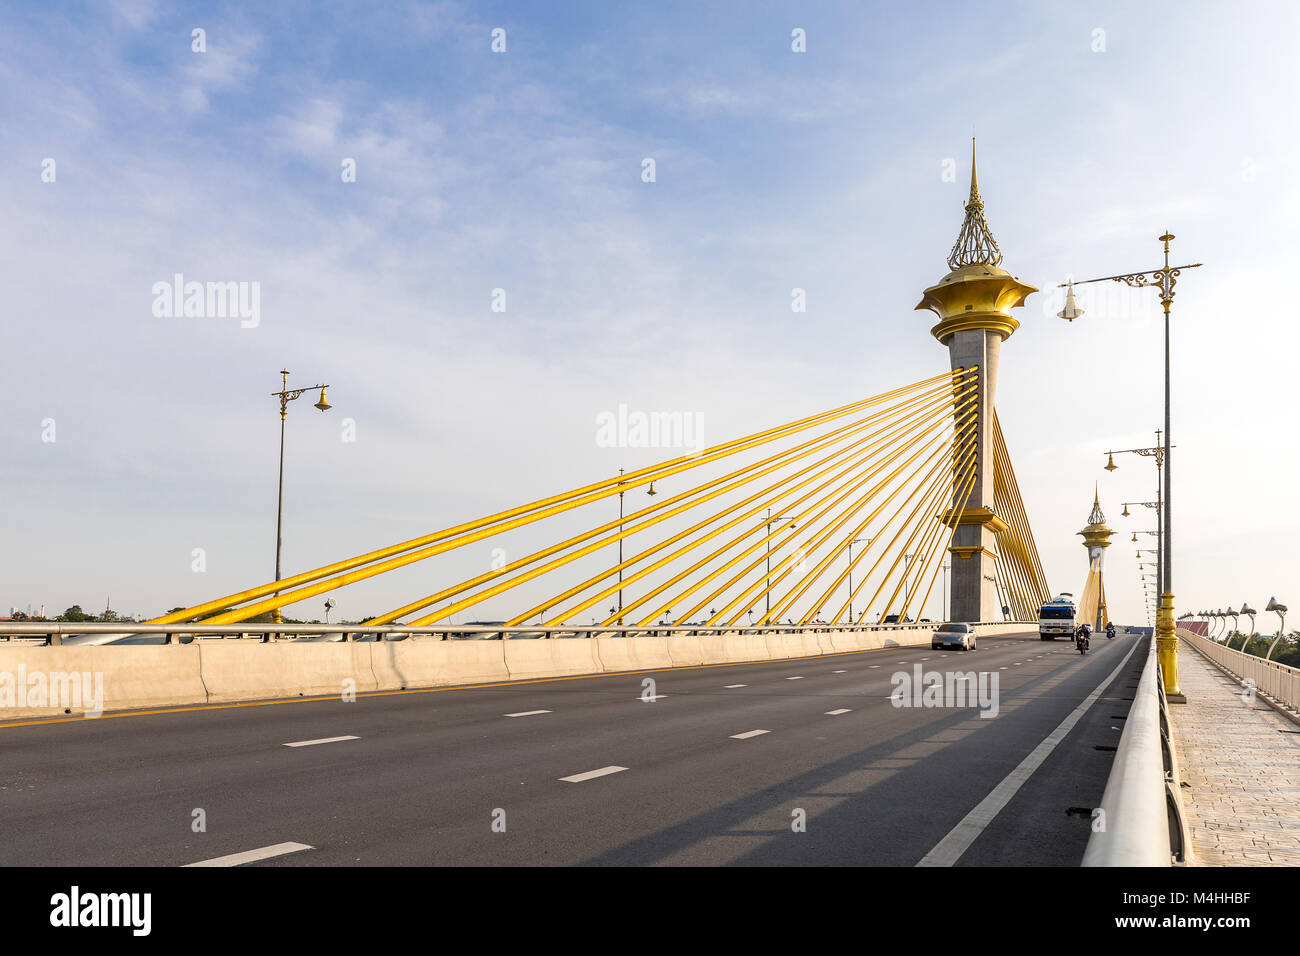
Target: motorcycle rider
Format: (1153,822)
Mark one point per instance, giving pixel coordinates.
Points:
(1081,636)
(1110,630)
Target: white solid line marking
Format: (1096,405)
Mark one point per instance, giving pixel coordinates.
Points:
(747,734)
(323,740)
(836,713)
(592,774)
(528,713)
(730,686)
(251,856)
(948,850)
(794,678)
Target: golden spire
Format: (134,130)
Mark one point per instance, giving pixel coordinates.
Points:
(975,244)
(1096,517)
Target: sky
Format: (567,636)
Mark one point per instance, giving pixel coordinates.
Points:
(128,156)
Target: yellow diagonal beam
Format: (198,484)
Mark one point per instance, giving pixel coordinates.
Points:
(502,521)
(858,461)
(648,517)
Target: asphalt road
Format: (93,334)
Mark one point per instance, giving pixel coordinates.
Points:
(430,777)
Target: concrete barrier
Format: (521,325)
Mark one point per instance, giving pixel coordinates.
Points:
(419,663)
(633,653)
(37,681)
(709,649)
(218,671)
(557,658)
(783,646)
(743,647)
(236,670)
(686,651)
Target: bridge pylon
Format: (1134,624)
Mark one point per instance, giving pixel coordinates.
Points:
(974,302)
(1096,538)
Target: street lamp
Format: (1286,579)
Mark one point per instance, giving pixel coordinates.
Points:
(851,544)
(1249,612)
(620,547)
(1280,610)
(287,395)
(1164,279)
(947,566)
(907,591)
(771,521)
(1158,453)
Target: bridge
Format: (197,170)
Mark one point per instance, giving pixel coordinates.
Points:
(715,675)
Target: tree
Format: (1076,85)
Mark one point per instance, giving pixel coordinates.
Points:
(75,615)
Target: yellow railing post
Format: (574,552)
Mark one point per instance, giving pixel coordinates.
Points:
(1167,648)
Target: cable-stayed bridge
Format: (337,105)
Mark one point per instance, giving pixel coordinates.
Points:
(646,670)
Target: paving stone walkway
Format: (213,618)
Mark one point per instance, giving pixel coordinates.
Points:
(1242,760)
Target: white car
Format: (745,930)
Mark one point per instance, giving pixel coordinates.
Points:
(953,635)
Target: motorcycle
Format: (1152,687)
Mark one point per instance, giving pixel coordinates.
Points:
(1110,631)
(1081,642)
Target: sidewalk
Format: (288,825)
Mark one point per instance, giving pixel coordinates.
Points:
(1242,761)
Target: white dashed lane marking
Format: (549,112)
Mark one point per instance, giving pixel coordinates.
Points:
(733,686)
(323,740)
(592,774)
(794,678)
(836,713)
(252,856)
(747,734)
(528,713)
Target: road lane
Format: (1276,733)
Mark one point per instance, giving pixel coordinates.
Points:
(423,780)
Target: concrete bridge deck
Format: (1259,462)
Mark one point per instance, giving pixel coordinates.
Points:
(1241,760)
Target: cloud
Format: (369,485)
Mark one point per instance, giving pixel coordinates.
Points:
(227,64)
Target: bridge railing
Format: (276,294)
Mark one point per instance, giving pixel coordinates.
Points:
(55,632)
(1141,821)
(1277,682)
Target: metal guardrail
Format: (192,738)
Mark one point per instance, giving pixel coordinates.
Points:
(1142,822)
(1276,681)
(53,632)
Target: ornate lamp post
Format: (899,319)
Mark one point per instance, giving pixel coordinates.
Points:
(1157,452)
(1280,611)
(1164,279)
(1250,613)
(287,395)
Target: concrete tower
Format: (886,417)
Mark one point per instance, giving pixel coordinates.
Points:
(1096,538)
(974,302)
